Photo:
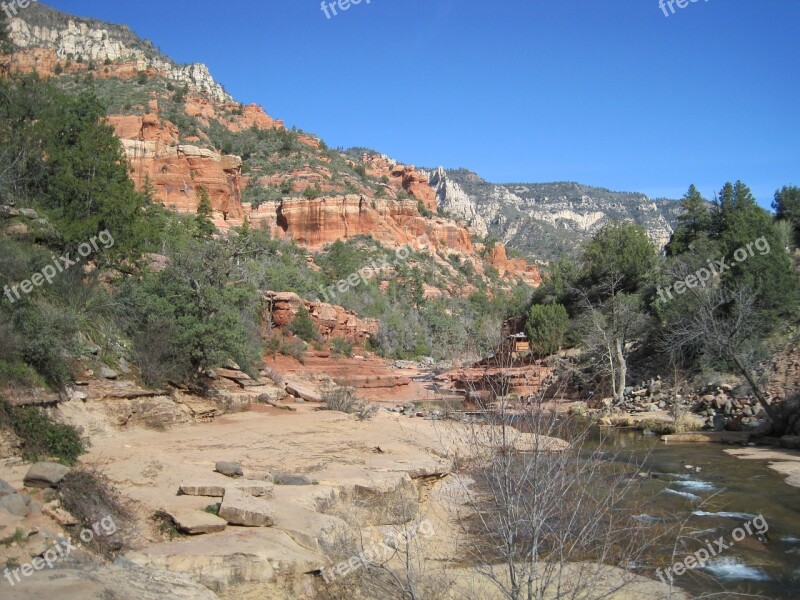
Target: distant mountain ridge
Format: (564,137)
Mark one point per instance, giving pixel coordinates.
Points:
(546,220)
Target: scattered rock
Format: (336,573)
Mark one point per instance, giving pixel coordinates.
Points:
(244,510)
(790,442)
(6,489)
(107,373)
(49,494)
(61,516)
(289,479)
(718,421)
(196,522)
(45,474)
(14,504)
(230,469)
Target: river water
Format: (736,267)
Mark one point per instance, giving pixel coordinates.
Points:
(716,494)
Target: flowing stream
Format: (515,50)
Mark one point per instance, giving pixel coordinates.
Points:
(717,494)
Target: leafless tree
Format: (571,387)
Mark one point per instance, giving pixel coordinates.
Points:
(550,512)
(724,325)
(609,326)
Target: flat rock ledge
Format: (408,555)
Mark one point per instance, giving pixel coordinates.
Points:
(217,490)
(196,522)
(239,508)
(122,580)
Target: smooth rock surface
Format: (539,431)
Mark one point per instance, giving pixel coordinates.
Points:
(196,522)
(123,581)
(242,509)
(217,490)
(14,504)
(229,469)
(45,474)
(6,489)
(291,479)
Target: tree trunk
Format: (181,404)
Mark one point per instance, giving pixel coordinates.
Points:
(774,415)
(622,370)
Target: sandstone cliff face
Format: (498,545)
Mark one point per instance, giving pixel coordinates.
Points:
(517,267)
(331,321)
(314,223)
(176,168)
(177,172)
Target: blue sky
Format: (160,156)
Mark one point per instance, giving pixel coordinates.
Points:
(604,92)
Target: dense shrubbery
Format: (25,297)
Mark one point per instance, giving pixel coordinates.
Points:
(620,295)
(546,326)
(43,437)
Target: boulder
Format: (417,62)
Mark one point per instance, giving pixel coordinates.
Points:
(107,373)
(196,522)
(14,504)
(299,391)
(229,469)
(45,474)
(6,489)
(242,509)
(790,442)
(290,479)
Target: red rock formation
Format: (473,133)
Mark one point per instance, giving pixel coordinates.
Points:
(331,321)
(416,185)
(492,382)
(515,267)
(177,172)
(320,221)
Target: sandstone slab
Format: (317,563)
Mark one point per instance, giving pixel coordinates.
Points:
(217,490)
(122,581)
(45,474)
(196,522)
(244,510)
(300,391)
(236,556)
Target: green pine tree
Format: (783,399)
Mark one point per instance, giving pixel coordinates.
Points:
(203,224)
(787,207)
(692,223)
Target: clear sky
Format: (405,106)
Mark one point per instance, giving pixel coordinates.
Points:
(604,92)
